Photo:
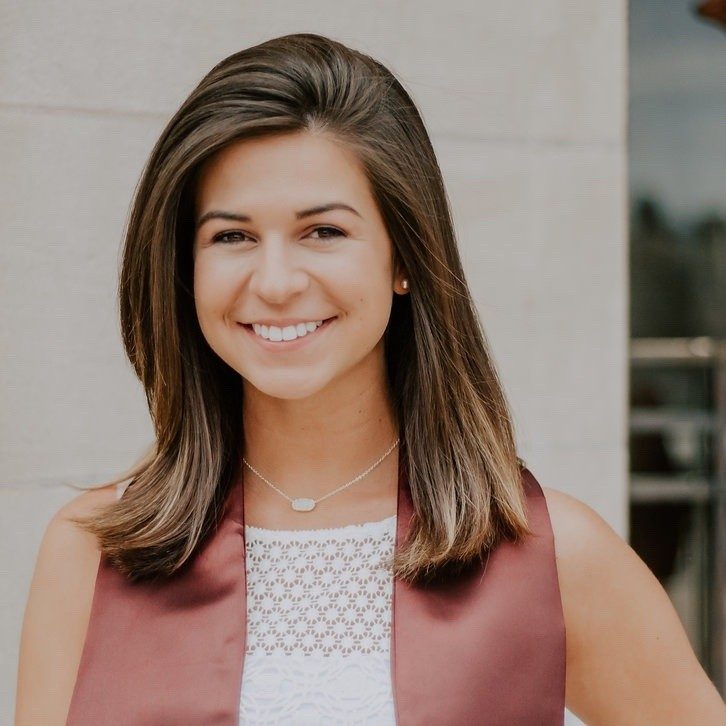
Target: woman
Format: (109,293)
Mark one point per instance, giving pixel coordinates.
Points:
(334,470)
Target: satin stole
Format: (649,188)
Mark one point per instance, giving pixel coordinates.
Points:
(486,647)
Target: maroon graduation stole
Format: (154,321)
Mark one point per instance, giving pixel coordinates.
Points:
(486,647)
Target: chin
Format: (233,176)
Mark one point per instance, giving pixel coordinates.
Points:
(289,388)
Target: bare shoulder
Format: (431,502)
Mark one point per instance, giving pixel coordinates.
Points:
(57,612)
(629,660)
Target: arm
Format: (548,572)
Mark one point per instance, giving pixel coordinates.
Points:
(629,660)
(57,614)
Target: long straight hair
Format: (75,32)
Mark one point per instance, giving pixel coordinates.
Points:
(456,430)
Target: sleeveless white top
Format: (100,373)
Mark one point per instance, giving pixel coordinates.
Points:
(318,626)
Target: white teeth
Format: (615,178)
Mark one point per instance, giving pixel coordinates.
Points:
(289,332)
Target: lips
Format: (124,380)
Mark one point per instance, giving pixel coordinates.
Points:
(249,326)
(325,320)
(288,345)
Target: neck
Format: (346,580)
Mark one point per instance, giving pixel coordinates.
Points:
(309,447)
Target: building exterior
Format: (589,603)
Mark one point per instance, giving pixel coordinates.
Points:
(526,106)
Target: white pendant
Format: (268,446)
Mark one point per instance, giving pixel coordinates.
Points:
(303,505)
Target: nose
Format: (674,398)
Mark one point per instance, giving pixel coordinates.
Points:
(276,274)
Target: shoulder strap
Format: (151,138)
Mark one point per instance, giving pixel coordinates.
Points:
(487,646)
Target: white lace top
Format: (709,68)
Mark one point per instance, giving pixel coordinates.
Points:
(318,626)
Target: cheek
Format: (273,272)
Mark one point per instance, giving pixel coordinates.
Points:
(372,298)
(212,287)
(212,294)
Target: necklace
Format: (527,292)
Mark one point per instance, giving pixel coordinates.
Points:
(306,504)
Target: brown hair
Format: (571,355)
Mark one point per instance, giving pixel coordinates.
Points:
(457,438)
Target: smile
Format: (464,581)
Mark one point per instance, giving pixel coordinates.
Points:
(287,345)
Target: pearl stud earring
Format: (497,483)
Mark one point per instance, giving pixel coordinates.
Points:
(404,284)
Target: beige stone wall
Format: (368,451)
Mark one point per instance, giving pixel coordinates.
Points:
(526,107)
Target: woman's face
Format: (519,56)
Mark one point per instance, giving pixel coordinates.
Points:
(267,252)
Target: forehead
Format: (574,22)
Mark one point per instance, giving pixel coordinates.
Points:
(297,168)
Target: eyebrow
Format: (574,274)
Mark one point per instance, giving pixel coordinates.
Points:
(234,216)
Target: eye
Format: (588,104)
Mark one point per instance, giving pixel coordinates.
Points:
(232,236)
(222,237)
(335,233)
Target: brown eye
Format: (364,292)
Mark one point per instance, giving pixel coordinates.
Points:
(224,237)
(335,233)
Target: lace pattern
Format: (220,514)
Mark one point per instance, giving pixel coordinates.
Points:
(318,633)
(319,591)
(317,690)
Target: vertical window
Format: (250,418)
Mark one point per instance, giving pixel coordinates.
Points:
(677,169)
